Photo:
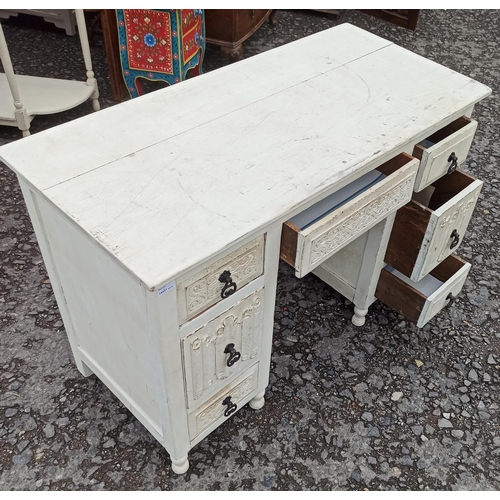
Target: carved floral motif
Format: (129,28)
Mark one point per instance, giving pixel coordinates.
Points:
(204,348)
(358,222)
(203,290)
(216,410)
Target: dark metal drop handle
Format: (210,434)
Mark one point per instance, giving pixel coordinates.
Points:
(451,299)
(229,287)
(456,239)
(234,355)
(454,163)
(231,407)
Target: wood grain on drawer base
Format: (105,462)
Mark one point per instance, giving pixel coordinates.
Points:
(404,297)
(203,290)
(213,411)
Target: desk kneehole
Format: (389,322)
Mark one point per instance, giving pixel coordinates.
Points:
(317,233)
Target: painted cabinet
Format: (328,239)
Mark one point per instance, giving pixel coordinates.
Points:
(160,45)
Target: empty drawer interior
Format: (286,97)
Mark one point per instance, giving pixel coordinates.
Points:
(420,301)
(443,207)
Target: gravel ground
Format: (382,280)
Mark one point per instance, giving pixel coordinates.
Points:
(383,407)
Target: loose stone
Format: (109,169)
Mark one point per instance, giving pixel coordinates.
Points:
(417,429)
(49,430)
(443,423)
(396,396)
(22,459)
(491,360)
(473,375)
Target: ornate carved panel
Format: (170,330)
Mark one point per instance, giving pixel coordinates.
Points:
(206,363)
(456,218)
(360,220)
(216,409)
(203,290)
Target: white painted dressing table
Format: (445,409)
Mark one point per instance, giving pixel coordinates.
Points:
(162,220)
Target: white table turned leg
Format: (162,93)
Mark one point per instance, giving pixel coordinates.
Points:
(359,316)
(180,465)
(258,401)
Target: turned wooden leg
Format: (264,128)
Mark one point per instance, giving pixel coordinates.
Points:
(257,402)
(180,465)
(233,54)
(95,99)
(359,316)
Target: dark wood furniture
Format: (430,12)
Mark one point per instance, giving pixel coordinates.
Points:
(110,36)
(407,18)
(229,28)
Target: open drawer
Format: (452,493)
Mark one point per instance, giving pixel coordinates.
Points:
(314,235)
(432,225)
(420,302)
(443,151)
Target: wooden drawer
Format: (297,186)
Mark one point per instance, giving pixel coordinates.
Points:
(436,152)
(220,407)
(425,232)
(314,235)
(201,291)
(420,302)
(223,347)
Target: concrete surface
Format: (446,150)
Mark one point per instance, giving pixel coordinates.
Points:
(383,407)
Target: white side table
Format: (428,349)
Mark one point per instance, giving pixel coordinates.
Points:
(22,97)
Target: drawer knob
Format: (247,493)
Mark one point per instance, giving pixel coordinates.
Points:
(456,239)
(451,299)
(231,407)
(454,163)
(234,355)
(229,286)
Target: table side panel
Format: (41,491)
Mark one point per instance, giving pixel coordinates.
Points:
(109,314)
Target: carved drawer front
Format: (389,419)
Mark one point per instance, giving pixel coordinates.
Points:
(223,347)
(432,225)
(420,302)
(314,235)
(444,150)
(201,291)
(223,404)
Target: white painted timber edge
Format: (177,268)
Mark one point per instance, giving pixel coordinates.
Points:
(336,230)
(461,138)
(437,300)
(428,250)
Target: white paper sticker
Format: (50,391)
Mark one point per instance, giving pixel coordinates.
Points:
(166,288)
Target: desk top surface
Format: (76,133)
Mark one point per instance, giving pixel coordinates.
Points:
(168,180)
